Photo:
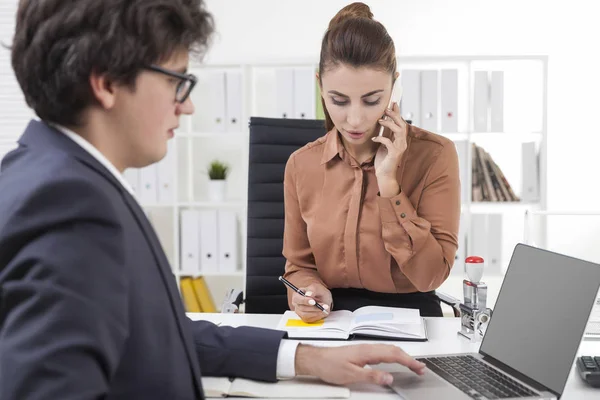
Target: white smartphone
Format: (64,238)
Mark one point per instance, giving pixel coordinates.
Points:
(396,96)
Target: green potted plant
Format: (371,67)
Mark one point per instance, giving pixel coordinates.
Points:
(217,172)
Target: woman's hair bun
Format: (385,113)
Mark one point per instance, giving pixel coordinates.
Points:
(354,10)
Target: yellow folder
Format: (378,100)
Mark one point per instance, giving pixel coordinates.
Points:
(189,297)
(203,295)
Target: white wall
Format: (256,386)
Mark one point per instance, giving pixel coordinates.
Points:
(568,32)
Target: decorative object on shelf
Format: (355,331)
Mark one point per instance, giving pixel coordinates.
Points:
(217,173)
(474,315)
(488,181)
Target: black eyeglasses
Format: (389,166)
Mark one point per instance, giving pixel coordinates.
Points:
(184,87)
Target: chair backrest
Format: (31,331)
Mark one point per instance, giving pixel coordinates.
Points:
(272,141)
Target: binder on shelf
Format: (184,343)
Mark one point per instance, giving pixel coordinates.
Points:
(132,176)
(227,241)
(209,96)
(234,97)
(203,295)
(190,241)
(190,299)
(480,101)
(411,96)
(429,100)
(284,82)
(166,175)
(497,101)
(304,96)
(458,269)
(462,149)
(449,95)
(530,170)
(209,251)
(148,184)
(486,240)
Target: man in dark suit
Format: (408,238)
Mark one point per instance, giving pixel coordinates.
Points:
(89,308)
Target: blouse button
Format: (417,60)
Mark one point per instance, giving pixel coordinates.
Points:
(397,202)
(403,215)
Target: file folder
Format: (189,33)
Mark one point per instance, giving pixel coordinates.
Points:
(148,184)
(209,97)
(411,96)
(189,239)
(449,95)
(429,100)
(304,95)
(530,191)
(228,241)
(497,101)
(234,97)
(486,240)
(284,78)
(480,101)
(166,175)
(462,149)
(189,296)
(209,252)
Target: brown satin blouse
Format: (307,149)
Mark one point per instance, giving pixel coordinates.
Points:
(341,233)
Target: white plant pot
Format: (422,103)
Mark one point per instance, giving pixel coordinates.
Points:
(216,190)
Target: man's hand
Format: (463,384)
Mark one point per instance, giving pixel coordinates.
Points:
(305,306)
(345,365)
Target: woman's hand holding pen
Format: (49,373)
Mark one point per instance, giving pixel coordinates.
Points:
(390,152)
(304,306)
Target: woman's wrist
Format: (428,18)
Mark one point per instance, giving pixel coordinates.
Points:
(388,187)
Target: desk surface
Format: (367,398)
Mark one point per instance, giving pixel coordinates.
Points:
(442,340)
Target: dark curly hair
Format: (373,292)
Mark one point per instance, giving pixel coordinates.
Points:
(58,44)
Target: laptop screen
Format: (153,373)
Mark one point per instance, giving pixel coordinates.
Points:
(541,314)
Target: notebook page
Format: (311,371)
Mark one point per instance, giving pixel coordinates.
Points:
(334,326)
(377,320)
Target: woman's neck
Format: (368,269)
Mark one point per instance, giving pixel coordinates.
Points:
(362,152)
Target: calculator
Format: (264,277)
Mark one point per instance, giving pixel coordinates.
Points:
(589,369)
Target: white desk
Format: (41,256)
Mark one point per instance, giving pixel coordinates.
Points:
(442,340)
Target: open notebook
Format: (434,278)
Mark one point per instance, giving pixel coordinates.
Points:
(297,388)
(391,323)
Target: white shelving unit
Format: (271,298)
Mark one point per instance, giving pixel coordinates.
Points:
(525,83)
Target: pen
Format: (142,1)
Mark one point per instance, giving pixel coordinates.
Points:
(300,292)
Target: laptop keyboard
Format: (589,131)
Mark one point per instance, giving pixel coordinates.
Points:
(475,378)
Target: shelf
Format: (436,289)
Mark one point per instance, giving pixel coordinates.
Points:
(213,204)
(211,274)
(212,135)
(522,136)
(492,207)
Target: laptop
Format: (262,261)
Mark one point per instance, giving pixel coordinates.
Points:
(531,341)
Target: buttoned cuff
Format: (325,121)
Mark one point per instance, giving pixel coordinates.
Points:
(396,209)
(286,359)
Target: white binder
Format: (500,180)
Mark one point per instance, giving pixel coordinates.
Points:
(234,97)
(148,185)
(411,96)
(497,101)
(462,149)
(449,94)
(166,175)
(304,93)
(530,191)
(486,240)
(132,176)
(264,89)
(461,253)
(480,101)
(228,241)
(209,98)
(284,81)
(429,100)
(209,252)
(190,241)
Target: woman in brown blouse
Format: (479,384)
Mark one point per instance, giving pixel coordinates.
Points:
(369,220)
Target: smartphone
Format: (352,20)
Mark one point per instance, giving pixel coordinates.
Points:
(395,97)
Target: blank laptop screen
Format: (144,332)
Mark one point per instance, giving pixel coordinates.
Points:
(541,314)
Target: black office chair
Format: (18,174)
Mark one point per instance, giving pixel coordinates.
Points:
(272,141)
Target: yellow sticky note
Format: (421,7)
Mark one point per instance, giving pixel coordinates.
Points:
(298,323)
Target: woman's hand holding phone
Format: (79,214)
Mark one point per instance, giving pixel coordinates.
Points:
(390,152)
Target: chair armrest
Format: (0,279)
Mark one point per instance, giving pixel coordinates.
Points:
(449,300)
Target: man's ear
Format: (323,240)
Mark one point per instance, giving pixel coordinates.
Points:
(103,90)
